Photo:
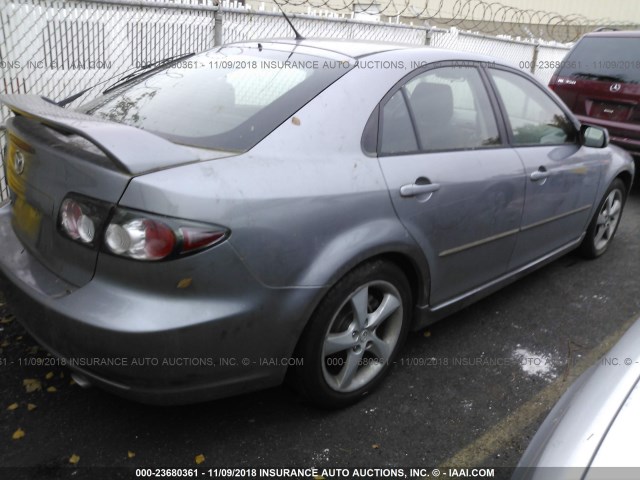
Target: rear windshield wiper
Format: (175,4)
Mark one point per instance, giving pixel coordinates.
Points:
(595,76)
(149,67)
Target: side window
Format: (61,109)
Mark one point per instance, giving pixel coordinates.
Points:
(535,118)
(397,130)
(451,109)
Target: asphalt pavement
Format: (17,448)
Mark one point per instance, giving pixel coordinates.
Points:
(469,392)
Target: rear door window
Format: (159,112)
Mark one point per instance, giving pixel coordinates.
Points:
(446,108)
(452,109)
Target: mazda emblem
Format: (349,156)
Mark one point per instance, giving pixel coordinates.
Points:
(18,162)
(615,87)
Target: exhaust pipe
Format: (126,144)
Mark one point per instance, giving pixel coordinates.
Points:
(81,380)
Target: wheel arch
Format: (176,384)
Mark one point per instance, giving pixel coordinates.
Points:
(310,378)
(416,272)
(419,281)
(627,179)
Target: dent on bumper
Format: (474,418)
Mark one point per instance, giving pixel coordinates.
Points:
(154,347)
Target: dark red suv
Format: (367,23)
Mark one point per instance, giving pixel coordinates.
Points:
(599,80)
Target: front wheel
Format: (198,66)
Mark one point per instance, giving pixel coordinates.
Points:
(354,335)
(605,222)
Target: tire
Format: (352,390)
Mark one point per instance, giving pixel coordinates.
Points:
(605,221)
(354,336)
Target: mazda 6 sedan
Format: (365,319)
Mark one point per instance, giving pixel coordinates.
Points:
(288,209)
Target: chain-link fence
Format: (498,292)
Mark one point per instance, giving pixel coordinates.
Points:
(246,24)
(539,58)
(491,17)
(57,48)
(515,18)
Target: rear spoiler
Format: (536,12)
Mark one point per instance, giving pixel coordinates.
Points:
(131,149)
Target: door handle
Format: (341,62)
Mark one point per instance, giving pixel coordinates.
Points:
(539,174)
(413,189)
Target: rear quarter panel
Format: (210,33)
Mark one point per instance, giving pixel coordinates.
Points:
(306,204)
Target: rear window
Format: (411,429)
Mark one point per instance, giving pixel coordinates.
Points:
(607,59)
(228,99)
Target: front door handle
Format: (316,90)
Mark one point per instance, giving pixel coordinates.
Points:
(413,189)
(539,174)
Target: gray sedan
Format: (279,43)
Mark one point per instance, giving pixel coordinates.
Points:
(288,209)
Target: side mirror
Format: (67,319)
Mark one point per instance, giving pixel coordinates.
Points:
(592,136)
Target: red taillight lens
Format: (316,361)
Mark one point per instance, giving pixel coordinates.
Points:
(160,240)
(195,239)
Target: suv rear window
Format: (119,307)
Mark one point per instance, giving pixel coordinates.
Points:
(607,59)
(228,99)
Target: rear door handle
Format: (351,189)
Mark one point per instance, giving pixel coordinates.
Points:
(413,189)
(539,174)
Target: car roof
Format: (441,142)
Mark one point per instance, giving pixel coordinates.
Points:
(614,33)
(350,48)
(363,48)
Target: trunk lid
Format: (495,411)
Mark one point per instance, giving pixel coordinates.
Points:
(52,152)
(610,104)
(611,101)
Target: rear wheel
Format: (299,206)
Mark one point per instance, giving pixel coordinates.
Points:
(354,335)
(605,222)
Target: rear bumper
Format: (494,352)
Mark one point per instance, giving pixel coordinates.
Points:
(226,334)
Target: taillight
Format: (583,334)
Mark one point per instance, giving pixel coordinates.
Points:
(133,234)
(76,223)
(81,219)
(143,236)
(195,239)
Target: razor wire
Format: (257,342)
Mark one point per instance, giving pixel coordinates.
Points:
(482,16)
(491,18)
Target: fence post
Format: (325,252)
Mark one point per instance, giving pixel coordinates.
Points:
(4,191)
(534,60)
(427,36)
(217,25)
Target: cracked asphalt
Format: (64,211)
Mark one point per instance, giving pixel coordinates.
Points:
(468,392)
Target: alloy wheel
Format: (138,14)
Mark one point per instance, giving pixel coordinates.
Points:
(362,336)
(608,219)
